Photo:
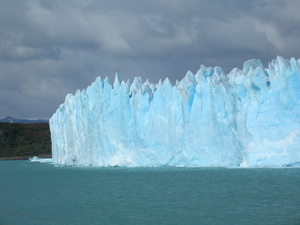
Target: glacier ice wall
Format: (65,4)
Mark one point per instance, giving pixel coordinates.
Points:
(247,118)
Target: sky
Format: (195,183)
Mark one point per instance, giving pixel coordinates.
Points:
(49,48)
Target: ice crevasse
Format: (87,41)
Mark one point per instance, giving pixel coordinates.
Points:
(247,118)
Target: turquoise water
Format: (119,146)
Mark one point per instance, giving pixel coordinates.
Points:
(33,193)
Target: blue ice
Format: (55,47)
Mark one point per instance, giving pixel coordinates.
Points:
(247,118)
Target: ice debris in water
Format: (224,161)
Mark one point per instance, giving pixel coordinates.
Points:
(41,160)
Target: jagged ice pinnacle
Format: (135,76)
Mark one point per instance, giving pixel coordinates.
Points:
(247,118)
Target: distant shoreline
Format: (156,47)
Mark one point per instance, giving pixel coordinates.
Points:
(23,157)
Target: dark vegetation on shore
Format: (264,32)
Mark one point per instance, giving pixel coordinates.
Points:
(20,141)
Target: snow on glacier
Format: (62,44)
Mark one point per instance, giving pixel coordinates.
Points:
(247,118)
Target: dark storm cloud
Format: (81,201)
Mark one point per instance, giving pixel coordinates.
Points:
(50,48)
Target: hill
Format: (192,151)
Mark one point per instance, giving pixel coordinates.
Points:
(18,140)
(10,119)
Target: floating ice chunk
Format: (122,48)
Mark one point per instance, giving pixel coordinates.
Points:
(40,160)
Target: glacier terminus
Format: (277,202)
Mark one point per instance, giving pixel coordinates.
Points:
(246,118)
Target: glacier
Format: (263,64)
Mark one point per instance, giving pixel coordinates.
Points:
(246,118)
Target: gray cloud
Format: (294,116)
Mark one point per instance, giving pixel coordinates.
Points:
(49,48)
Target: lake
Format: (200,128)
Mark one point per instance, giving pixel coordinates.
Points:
(34,193)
